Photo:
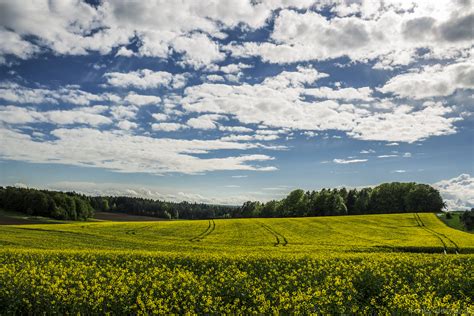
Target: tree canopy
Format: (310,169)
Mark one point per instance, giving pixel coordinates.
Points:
(58,205)
(386,198)
(392,197)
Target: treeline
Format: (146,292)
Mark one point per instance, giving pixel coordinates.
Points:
(392,197)
(161,209)
(58,205)
(386,198)
(467,218)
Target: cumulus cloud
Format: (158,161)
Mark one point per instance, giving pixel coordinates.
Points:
(123,152)
(13,44)
(279,102)
(168,127)
(310,134)
(432,81)
(127,125)
(88,116)
(145,79)
(78,28)
(205,121)
(160,116)
(198,49)
(121,112)
(237,129)
(215,78)
(234,68)
(457,192)
(260,105)
(15,93)
(65,27)
(341,94)
(390,34)
(140,100)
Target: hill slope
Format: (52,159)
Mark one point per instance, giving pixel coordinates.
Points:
(364,233)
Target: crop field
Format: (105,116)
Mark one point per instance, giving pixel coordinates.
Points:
(399,263)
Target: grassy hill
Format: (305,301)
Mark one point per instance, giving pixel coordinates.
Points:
(368,264)
(364,233)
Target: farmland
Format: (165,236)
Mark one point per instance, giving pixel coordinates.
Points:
(365,263)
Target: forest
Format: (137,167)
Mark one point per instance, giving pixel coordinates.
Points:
(386,198)
(58,205)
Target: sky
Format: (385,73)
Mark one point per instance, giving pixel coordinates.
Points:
(224,101)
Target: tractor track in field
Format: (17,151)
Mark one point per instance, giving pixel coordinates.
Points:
(337,231)
(280,239)
(210,228)
(438,235)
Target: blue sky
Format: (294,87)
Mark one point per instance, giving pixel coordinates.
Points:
(226,101)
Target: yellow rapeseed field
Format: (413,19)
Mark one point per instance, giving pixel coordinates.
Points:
(398,263)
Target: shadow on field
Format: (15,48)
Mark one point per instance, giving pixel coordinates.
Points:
(121,217)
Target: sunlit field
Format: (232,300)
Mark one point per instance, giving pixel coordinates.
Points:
(372,263)
(297,236)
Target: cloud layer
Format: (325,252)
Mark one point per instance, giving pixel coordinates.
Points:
(457,192)
(192,87)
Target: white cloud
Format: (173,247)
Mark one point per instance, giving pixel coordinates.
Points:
(13,92)
(77,28)
(140,100)
(13,44)
(20,185)
(310,134)
(123,51)
(279,102)
(391,33)
(122,152)
(250,137)
(237,129)
(234,68)
(121,112)
(348,161)
(387,156)
(341,94)
(215,78)
(160,116)
(198,49)
(205,121)
(65,27)
(168,127)
(432,81)
(19,115)
(367,151)
(399,171)
(89,116)
(406,124)
(457,192)
(145,79)
(127,125)
(157,192)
